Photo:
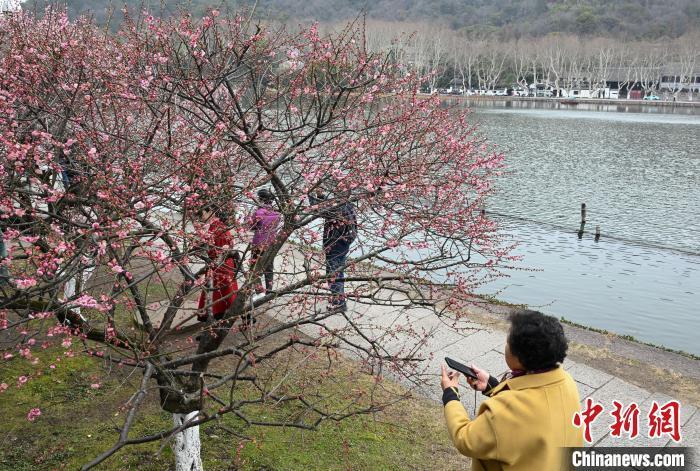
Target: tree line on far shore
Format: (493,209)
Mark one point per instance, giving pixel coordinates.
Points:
(500,43)
(560,61)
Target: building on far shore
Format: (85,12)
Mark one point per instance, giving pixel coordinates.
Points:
(637,82)
(680,77)
(10,6)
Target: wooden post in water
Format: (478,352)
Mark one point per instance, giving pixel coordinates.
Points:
(583,220)
(597,233)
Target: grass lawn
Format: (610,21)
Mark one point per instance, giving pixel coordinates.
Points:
(78,422)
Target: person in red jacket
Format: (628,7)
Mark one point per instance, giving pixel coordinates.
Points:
(221,286)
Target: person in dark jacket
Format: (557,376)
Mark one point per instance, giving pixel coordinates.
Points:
(339,232)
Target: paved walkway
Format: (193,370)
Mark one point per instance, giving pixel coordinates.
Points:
(417,330)
(483,344)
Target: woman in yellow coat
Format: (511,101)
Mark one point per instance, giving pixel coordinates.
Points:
(526,424)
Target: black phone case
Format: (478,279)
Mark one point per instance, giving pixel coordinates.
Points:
(464,369)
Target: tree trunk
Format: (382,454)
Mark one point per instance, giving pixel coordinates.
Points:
(4,273)
(187,446)
(77,284)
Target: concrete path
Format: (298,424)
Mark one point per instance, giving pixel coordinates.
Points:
(418,329)
(479,340)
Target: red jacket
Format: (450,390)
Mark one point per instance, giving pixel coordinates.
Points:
(222,276)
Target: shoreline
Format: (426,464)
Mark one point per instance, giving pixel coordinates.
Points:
(648,366)
(588,101)
(631,339)
(607,333)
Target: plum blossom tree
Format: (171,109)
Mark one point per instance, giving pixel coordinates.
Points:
(116,148)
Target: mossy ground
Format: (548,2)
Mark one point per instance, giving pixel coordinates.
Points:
(78,422)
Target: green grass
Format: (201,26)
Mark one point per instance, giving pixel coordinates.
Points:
(402,437)
(74,424)
(79,422)
(355,443)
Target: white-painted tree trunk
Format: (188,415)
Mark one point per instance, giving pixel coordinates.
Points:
(69,289)
(187,447)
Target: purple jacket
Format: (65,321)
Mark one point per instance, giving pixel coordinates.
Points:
(265,223)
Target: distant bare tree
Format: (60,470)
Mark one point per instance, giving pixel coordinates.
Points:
(466,58)
(687,57)
(556,54)
(490,65)
(520,53)
(417,49)
(604,52)
(574,72)
(648,67)
(437,41)
(626,60)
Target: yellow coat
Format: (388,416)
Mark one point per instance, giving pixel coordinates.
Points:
(522,426)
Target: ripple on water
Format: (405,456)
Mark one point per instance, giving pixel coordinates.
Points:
(639,178)
(637,174)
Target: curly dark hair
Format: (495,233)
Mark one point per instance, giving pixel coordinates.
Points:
(537,340)
(266,196)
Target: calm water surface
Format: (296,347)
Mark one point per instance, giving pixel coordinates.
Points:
(638,172)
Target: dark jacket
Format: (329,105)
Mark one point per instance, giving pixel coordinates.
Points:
(340,222)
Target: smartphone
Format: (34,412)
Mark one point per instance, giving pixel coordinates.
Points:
(457,366)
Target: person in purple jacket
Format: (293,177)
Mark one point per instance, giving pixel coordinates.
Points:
(265,222)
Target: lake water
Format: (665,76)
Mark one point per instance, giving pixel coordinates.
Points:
(638,171)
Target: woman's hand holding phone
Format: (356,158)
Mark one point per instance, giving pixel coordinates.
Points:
(482,379)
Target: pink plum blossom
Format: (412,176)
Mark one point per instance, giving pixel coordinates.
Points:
(33,414)
(25,283)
